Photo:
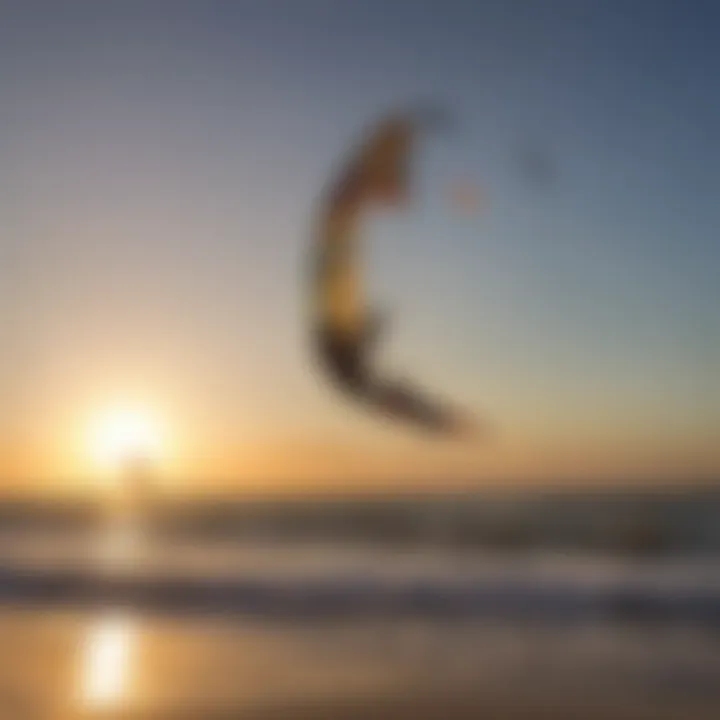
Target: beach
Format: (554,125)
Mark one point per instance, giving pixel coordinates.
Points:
(55,665)
(347,632)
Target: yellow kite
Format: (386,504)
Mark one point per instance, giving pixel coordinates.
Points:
(345,329)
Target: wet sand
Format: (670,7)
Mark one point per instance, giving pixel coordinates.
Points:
(73,665)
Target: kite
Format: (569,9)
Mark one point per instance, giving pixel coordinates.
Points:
(345,330)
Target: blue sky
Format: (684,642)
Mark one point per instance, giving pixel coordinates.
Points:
(160,164)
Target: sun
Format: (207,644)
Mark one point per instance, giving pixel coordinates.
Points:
(122,436)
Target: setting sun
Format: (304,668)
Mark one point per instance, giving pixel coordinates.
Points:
(124,435)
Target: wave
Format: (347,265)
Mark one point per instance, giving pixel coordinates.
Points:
(323,581)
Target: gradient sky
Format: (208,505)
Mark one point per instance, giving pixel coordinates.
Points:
(159,168)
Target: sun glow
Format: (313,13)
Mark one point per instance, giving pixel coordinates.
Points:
(123,436)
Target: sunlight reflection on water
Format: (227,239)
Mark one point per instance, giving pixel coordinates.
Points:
(107,661)
(109,644)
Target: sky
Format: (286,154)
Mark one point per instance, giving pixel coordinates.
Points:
(160,168)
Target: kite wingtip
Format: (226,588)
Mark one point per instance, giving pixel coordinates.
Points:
(425,113)
(433,115)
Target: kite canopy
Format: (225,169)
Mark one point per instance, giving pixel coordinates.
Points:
(377,173)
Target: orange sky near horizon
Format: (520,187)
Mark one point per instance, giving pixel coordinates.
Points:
(409,463)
